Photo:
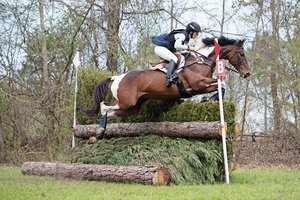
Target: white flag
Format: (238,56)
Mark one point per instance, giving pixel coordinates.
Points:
(76,60)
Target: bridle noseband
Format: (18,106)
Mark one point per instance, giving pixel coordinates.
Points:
(239,62)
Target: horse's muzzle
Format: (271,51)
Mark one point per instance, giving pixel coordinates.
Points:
(245,72)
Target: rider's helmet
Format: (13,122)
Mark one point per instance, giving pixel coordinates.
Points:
(193,26)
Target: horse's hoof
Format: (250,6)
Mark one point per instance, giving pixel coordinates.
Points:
(92,140)
(99,130)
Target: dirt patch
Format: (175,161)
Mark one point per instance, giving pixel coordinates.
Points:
(264,150)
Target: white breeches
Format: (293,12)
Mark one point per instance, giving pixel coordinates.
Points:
(165,54)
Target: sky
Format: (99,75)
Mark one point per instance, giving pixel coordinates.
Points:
(210,20)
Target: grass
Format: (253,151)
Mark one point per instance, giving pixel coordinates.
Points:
(245,184)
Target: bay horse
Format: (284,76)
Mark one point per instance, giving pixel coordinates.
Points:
(132,89)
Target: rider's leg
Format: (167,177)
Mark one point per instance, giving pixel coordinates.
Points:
(165,54)
(171,69)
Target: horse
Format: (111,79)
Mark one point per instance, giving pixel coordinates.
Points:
(132,89)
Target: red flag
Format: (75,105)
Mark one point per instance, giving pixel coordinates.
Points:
(217,47)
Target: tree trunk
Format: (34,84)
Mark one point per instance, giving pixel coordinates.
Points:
(2,144)
(139,174)
(44,49)
(275,8)
(207,130)
(112,14)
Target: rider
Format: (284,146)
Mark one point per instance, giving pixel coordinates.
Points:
(176,40)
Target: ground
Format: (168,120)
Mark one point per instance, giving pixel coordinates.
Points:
(268,150)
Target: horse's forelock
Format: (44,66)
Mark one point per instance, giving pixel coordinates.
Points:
(223,41)
(208,41)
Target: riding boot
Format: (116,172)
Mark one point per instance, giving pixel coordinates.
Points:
(170,71)
(102,124)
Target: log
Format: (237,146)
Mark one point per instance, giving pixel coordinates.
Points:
(138,174)
(206,130)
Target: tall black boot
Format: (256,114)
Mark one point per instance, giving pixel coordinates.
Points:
(170,71)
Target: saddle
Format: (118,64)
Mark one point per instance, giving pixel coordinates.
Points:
(163,65)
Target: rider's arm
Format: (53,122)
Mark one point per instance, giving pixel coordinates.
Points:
(179,42)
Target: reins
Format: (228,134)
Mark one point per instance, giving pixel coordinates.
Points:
(230,69)
(201,56)
(199,59)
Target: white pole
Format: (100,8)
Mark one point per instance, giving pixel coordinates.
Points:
(223,125)
(76,63)
(223,131)
(74,120)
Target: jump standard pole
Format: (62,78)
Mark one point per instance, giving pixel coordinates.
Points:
(76,63)
(221,74)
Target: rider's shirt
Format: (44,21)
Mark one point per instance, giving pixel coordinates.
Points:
(174,41)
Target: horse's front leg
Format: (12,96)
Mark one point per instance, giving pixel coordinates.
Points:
(209,85)
(214,87)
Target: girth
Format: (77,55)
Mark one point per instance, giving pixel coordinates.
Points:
(181,89)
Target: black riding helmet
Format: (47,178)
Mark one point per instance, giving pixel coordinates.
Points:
(193,26)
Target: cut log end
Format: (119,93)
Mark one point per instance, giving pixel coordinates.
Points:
(162,177)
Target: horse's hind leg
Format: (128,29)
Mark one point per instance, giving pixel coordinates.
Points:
(113,110)
(106,111)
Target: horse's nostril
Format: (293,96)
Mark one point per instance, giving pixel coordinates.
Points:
(246,75)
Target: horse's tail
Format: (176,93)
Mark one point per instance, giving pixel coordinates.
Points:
(100,91)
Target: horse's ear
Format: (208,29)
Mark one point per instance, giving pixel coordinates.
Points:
(241,42)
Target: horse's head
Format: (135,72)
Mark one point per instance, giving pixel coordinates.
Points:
(235,54)
(233,51)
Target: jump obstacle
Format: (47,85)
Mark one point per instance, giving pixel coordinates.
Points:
(138,174)
(152,175)
(196,130)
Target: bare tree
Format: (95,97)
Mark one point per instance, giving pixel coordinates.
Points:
(44,50)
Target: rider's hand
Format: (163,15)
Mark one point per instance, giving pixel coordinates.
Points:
(191,48)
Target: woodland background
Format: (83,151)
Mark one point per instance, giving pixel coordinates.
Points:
(39,39)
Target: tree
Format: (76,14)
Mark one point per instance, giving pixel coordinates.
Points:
(44,50)
(36,105)
(275,23)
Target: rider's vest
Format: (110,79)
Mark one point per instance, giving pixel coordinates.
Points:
(168,40)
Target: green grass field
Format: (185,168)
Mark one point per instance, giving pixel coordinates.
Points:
(245,184)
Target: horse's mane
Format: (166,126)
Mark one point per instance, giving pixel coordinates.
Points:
(223,41)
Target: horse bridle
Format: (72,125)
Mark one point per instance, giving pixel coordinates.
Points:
(239,61)
(200,57)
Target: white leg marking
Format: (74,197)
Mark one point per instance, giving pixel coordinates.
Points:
(105,108)
(212,84)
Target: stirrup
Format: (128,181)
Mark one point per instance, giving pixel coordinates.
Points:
(168,83)
(174,78)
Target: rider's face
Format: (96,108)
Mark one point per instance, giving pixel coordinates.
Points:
(194,34)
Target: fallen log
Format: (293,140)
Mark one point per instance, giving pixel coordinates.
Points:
(206,130)
(138,174)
